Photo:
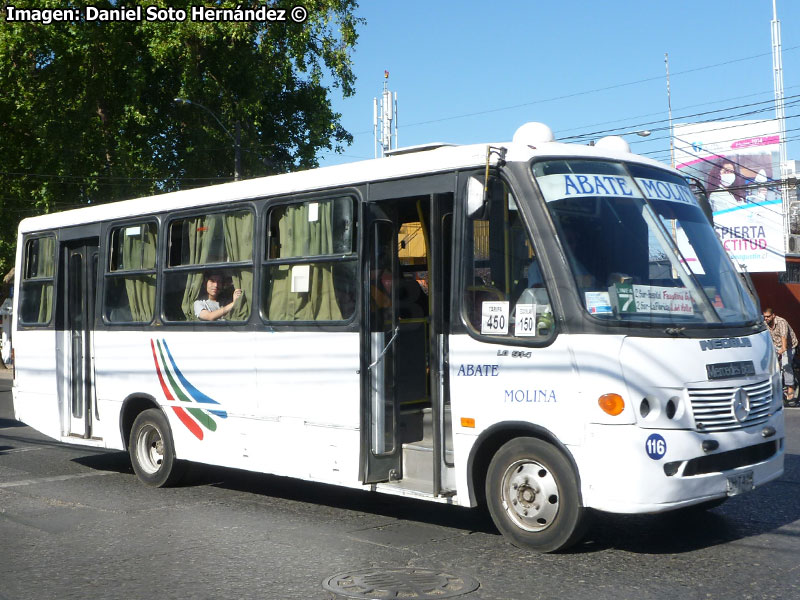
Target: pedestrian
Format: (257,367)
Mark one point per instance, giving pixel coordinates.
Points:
(785,342)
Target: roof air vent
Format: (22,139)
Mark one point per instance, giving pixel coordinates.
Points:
(613,143)
(533,133)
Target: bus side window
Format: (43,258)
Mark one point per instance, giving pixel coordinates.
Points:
(130,289)
(218,244)
(36,290)
(310,268)
(504,294)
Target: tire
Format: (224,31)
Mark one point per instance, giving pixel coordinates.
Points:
(152,450)
(533,495)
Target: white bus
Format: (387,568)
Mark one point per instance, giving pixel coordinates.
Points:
(545,328)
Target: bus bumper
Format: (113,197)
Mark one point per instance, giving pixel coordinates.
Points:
(627,469)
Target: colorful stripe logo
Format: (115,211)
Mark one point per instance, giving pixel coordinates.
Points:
(191,416)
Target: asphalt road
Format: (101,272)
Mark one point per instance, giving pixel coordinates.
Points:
(75,523)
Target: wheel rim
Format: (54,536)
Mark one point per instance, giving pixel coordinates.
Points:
(150,449)
(531,497)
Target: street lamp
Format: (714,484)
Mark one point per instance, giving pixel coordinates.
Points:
(618,137)
(237,140)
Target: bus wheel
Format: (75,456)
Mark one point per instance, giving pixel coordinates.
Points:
(533,496)
(152,451)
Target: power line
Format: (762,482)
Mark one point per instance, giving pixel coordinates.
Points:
(111,180)
(581,127)
(690,116)
(585,92)
(106,179)
(654,153)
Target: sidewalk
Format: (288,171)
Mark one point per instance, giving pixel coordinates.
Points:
(6,373)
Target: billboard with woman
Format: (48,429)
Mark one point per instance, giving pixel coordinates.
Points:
(738,163)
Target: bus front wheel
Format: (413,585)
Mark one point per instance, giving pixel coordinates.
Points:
(152,450)
(533,495)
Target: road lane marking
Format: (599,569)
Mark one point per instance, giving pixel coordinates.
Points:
(12,450)
(55,478)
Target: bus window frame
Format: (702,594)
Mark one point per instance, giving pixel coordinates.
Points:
(164,269)
(26,240)
(355,256)
(461,322)
(106,248)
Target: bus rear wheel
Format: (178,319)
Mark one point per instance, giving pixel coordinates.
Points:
(533,495)
(152,450)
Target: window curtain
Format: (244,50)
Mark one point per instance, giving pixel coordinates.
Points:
(301,237)
(200,233)
(238,229)
(139,252)
(47,253)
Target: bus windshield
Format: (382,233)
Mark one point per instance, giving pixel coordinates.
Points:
(639,246)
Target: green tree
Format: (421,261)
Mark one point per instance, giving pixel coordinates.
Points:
(87,109)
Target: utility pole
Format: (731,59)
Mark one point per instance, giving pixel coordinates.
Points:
(236,139)
(237,152)
(780,115)
(669,107)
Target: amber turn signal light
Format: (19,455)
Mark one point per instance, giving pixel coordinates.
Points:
(613,404)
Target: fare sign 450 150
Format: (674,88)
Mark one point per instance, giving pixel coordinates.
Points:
(494,318)
(526,320)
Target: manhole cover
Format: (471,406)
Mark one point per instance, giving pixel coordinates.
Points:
(419,584)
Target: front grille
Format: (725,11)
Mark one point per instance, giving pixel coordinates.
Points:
(713,407)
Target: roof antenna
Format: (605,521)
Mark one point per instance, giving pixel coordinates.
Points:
(384,112)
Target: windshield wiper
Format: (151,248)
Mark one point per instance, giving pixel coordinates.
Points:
(675,331)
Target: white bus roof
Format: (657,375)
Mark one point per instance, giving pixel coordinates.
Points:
(399,166)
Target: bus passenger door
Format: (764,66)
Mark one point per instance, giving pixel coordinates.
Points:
(78,302)
(441,226)
(380,447)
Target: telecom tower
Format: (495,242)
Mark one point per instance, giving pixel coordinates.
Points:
(383,114)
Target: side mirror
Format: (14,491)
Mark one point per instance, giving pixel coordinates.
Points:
(475,196)
(478,191)
(701,195)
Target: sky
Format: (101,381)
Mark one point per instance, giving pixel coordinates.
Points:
(472,72)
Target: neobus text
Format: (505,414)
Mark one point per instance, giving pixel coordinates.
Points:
(719,344)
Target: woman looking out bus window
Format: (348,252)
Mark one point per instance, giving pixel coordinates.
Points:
(208,308)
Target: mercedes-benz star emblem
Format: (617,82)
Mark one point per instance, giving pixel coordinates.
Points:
(740,405)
